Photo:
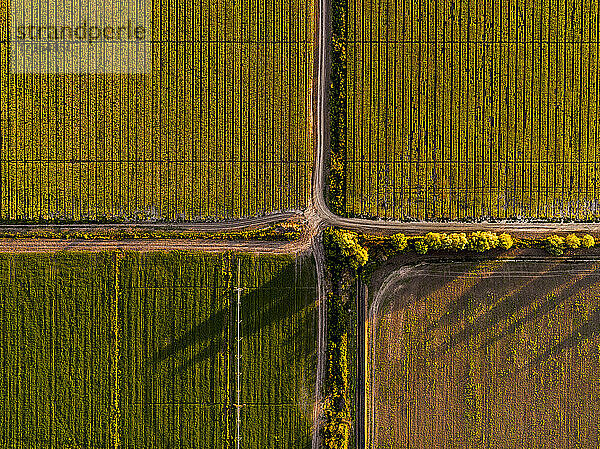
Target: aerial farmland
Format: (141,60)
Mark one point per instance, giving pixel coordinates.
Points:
(299,224)
(495,352)
(132,350)
(470,110)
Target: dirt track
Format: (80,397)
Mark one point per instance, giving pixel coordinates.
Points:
(51,245)
(239,224)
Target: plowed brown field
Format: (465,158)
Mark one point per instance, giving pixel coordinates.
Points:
(494,354)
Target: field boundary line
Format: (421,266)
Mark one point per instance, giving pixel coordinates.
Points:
(319,257)
(115,413)
(319,211)
(238,340)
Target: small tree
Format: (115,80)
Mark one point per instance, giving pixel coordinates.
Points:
(587,241)
(555,245)
(350,249)
(420,245)
(505,241)
(481,241)
(399,242)
(572,241)
(446,241)
(458,241)
(434,240)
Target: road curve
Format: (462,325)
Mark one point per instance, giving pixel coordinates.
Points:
(318,207)
(320,110)
(237,224)
(325,217)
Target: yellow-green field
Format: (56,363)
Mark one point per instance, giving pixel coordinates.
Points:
(471,109)
(219,128)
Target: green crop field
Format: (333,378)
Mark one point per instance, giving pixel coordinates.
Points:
(140,350)
(470,109)
(56,338)
(219,128)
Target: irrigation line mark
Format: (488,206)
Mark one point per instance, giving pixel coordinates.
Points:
(238,339)
(53,332)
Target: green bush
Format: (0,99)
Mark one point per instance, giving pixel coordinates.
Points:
(446,241)
(399,241)
(458,241)
(481,241)
(555,245)
(434,240)
(587,241)
(420,245)
(350,249)
(505,241)
(572,241)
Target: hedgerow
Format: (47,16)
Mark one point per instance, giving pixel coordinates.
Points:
(344,247)
(345,258)
(337,107)
(479,241)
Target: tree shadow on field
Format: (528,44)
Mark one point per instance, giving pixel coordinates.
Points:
(542,293)
(587,330)
(419,285)
(425,283)
(261,307)
(504,291)
(545,307)
(455,310)
(278,341)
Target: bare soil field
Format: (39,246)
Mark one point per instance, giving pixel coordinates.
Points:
(485,354)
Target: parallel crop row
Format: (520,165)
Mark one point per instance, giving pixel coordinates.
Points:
(486,353)
(139,350)
(219,128)
(55,349)
(467,110)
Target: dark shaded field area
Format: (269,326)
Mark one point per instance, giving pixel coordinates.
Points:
(486,354)
(139,350)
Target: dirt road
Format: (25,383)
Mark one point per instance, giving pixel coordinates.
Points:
(29,245)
